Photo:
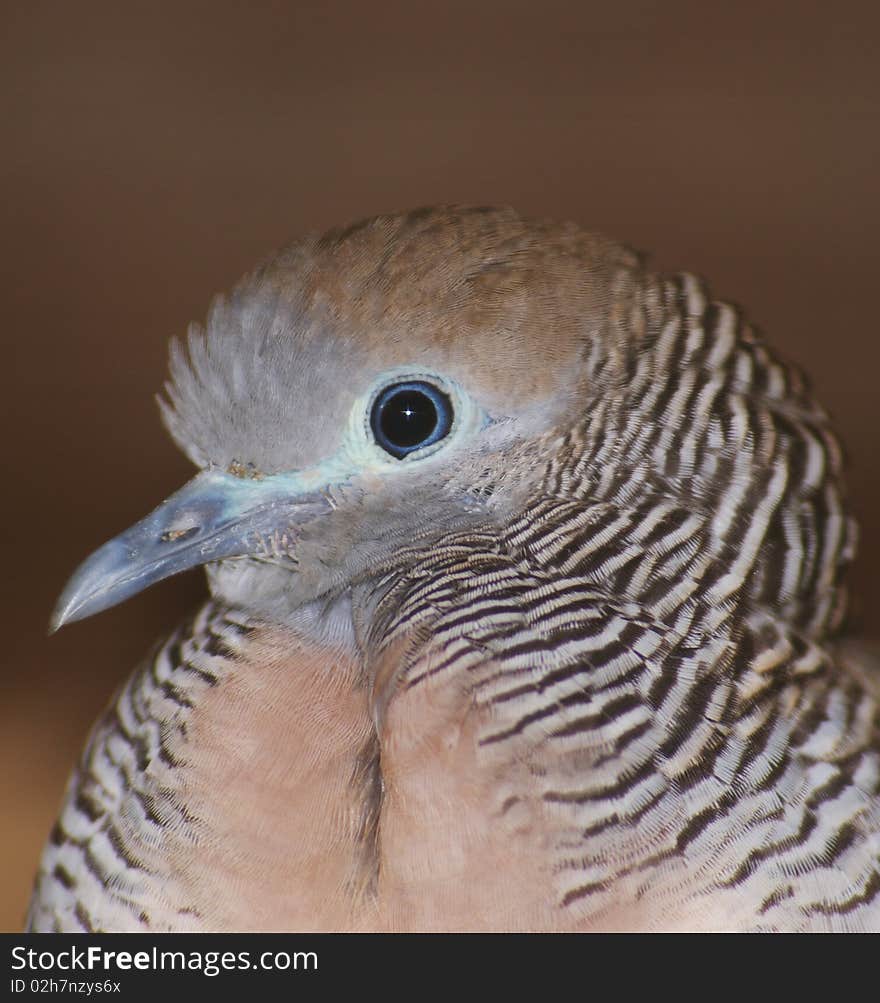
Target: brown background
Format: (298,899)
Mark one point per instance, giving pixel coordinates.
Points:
(150,154)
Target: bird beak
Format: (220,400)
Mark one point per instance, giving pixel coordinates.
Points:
(215,515)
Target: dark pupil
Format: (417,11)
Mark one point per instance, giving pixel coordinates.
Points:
(408,418)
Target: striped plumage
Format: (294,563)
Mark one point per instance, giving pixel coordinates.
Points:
(125,795)
(607,692)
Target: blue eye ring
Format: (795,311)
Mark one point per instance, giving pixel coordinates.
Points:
(410,415)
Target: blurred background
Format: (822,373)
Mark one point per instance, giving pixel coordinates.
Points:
(151,153)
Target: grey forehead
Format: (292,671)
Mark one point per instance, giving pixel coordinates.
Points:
(262,383)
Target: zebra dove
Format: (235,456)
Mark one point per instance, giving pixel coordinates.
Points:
(526,612)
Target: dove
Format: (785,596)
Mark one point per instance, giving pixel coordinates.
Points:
(527,612)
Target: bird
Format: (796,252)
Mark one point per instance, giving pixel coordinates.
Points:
(527,612)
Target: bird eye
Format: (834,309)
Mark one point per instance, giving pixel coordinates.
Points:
(409,416)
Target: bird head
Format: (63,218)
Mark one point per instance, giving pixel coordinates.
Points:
(366,389)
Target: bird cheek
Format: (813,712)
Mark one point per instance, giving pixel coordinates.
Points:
(371,481)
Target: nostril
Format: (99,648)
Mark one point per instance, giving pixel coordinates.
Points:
(173,535)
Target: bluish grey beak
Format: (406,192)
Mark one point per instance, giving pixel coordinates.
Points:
(215,515)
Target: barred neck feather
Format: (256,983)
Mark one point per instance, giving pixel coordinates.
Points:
(700,427)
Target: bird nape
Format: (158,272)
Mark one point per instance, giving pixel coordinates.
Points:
(526,612)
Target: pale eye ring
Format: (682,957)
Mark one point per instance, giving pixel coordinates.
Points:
(410,415)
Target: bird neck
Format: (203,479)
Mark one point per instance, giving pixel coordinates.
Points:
(635,723)
(715,469)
